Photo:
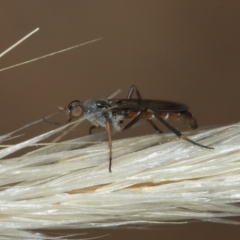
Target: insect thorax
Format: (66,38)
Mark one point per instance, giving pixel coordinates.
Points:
(98,112)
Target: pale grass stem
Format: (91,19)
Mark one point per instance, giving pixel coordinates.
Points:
(155,179)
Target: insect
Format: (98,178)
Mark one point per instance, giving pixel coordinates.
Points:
(110,113)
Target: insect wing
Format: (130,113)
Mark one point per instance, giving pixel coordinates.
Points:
(139,104)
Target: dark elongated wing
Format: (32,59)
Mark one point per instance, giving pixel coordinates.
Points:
(156,105)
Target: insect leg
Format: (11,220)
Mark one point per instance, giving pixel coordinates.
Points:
(154,126)
(137,118)
(131,91)
(175,131)
(90,129)
(109,130)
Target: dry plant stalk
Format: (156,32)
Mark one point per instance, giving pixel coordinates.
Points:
(156,179)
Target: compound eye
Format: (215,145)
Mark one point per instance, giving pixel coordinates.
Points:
(76,112)
(74,109)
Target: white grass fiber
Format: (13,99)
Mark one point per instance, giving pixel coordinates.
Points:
(155,179)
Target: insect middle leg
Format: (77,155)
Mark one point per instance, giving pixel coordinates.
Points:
(138,117)
(135,120)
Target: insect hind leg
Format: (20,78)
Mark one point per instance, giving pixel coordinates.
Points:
(175,131)
(154,126)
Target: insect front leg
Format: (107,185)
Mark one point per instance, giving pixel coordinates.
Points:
(109,130)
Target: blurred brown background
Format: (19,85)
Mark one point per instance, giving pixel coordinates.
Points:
(185,51)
